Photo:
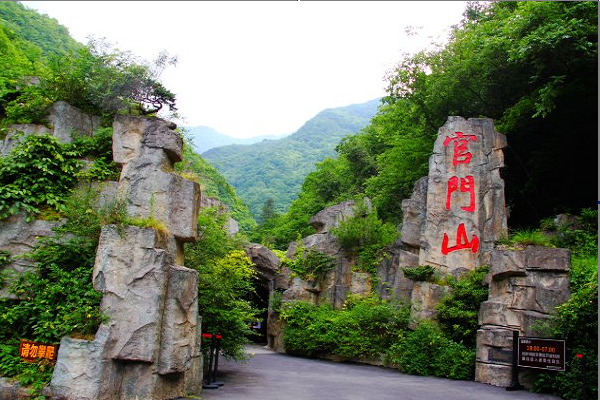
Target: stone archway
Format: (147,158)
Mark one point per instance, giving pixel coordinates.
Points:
(266,264)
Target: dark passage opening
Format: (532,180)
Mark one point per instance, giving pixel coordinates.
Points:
(260,300)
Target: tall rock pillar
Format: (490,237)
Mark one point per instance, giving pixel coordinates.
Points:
(148,348)
(464,211)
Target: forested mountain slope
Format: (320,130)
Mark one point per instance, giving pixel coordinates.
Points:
(205,138)
(276,168)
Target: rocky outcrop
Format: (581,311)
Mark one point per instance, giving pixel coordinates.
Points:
(330,217)
(526,286)
(67,121)
(148,347)
(17,237)
(231,226)
(17,133)
(466,213)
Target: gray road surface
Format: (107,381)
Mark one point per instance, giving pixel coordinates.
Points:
(271,376)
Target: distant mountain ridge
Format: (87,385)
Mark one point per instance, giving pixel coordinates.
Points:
(276,168)
(205,138)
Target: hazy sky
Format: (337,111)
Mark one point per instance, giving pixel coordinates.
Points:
(253,68)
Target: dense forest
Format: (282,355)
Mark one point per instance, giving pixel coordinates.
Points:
(275,169)
(531,66)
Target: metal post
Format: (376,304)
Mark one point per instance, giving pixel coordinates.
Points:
(515,385)
(218,338)
(209,384)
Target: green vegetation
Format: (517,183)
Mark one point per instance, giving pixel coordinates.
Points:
(213,184)
(56,297)
(458,311)
(365,237)
(97,80)
(421,273)
(366,327)
(276,168)
(40,172)
(427,351)
(225,282)
(520,63)
(310,265)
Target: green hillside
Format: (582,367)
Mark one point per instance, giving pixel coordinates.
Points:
(205,138)
(34,45)
(276,168)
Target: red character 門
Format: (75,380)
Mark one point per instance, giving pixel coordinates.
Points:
(467,184)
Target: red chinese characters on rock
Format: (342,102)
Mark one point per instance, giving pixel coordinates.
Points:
(462,241)
(461,147)
(467,184)
(461,155)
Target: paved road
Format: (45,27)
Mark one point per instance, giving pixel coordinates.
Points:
(271,376)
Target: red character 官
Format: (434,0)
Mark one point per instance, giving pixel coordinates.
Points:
(461,147)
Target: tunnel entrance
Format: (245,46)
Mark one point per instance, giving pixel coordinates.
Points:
(260,300)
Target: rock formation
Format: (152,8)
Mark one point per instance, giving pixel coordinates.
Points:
(64,123)
(149,346)
(17,237)
(526,285)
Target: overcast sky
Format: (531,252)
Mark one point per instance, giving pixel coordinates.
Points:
(257,68)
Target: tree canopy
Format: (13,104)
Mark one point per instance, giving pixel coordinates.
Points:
(531,66)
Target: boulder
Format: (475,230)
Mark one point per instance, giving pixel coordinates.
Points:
(147,149)
(414,211)
(180,321)
(131,271)
(330,217)
(67,122)
(17,133)
(264,260)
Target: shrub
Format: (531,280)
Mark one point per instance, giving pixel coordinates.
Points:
(458,312)
(38,173)
(365,236)
(311,264)
(225,281)
(57,299)
(426,351)
(420,273)
(365,328)
(530,237)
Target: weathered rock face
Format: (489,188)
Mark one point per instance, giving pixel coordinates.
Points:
(17,236)
(17,133)
(264,261)
(147,149)
(414,211)
(331,217)
(466,213)
(66,119)
(231,226)
(526,286)
(334,286)
(149,346)
(66,122)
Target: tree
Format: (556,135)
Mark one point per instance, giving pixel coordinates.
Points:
(97,79)
(268,211)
